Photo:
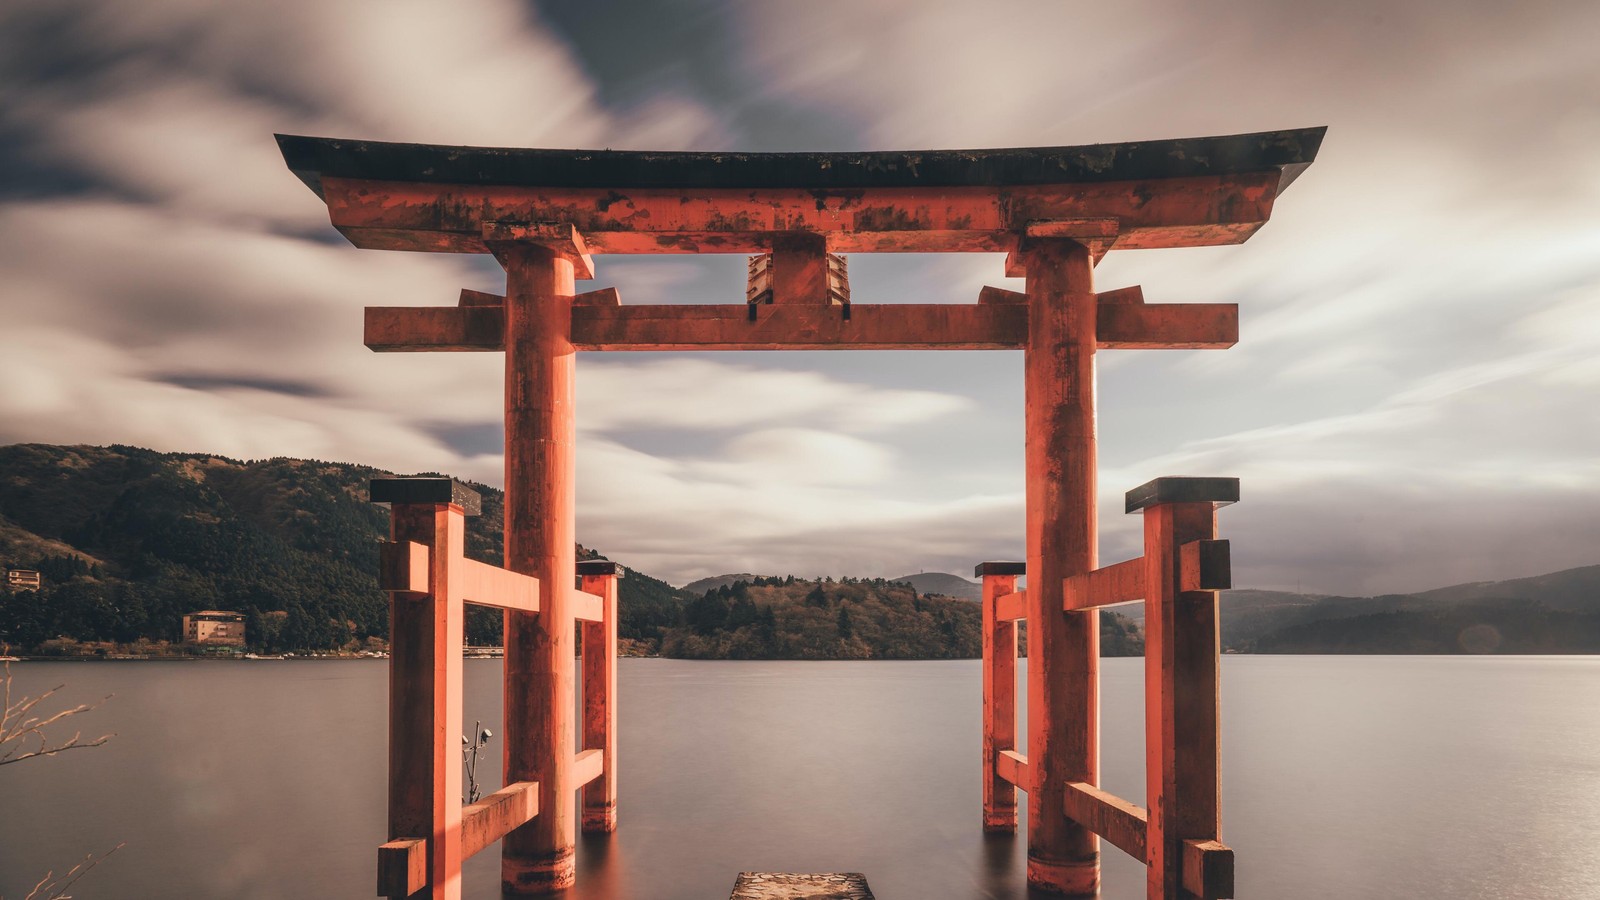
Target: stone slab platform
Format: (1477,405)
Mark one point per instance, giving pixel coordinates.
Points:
(795,886)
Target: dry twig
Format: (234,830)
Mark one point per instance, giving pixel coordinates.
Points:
(22,733)
(52,888)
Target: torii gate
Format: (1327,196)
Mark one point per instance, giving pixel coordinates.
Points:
(1054,211)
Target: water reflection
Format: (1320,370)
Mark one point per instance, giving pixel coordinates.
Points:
(1343,777)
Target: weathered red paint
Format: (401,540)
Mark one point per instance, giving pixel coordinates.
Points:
(1182,649)
(428,581)
(1052,233)
(425,698)
(540,534)
(1165,212)
(724,326)
(1121,583)
(600,704)
(1063,647)
(493,817)
(999,703)
(1113,818)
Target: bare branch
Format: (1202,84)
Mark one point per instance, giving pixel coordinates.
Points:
(51,888)
(20,730)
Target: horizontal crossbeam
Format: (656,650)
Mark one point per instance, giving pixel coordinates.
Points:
(587,765)
(402,867)
(989,326)
(587,607)
(1205,565)
(1011,607)
(1164,212)
(1106,586)
(1109,816)
(487,585)
(1207,869)
(497,815)
(403,567)
(1013,767)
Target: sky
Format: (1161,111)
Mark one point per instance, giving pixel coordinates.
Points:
(1412,402)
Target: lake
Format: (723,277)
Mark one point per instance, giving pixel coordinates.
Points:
(1368,777)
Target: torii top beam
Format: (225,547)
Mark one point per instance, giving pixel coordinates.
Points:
(1174,193)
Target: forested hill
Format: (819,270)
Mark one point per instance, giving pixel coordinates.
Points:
(129,540)
(851,618)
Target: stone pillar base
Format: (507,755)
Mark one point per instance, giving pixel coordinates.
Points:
(1072,878)
(600,820)
(519,876)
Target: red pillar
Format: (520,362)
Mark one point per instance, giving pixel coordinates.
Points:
(425,684)
(600,695)
(1063,648)
(1181,666)
(999,695)
(539,529)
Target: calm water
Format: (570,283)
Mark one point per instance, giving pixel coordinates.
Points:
(1403,777)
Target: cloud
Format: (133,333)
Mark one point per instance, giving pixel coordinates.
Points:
(682,519)
(699,394)
(1472,474)
(1409,404)
(172,102)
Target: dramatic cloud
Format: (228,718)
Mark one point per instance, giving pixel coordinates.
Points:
(1409,404)
(717,396)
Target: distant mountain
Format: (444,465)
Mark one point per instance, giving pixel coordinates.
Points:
(1572,589)
(1285,622)
(1503,625)
(1554,613)
(943,583)
(129,540)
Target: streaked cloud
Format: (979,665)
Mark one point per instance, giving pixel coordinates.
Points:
(1410,403)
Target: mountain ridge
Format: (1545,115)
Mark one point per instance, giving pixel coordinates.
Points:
(130,539)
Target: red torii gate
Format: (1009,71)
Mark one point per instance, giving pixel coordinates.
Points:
(544,215)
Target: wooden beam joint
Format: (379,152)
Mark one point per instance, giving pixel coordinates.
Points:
(403,567)
(1013,768)
(560,238)
(486,585)
(402,867)
(1208,869)
(1011,607)
(1105,586)
(1205,565)
(587,607)
(587,765)
(1113,818)
(497,815)
(1097,233)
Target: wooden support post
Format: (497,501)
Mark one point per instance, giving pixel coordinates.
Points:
(539,671)
(425,633)
(1181,684)
(800,268)
(600,694)
(999,693)
(1063,647)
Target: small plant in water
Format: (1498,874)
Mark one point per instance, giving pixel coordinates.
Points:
(469,759)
